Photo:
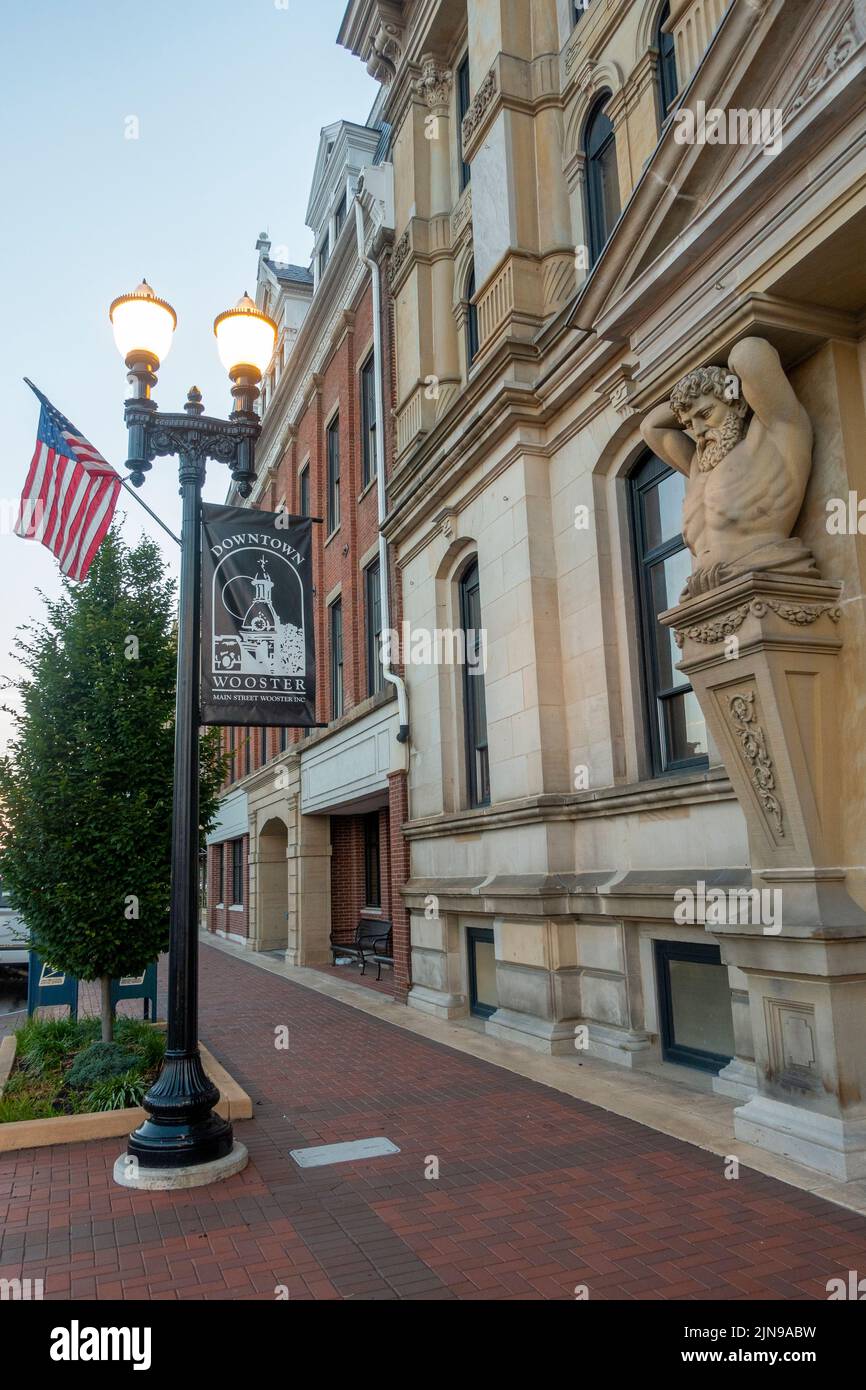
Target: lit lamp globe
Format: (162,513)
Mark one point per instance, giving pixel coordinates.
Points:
(143,326)
(245,340)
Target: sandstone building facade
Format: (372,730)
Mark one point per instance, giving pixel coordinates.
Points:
(575,232)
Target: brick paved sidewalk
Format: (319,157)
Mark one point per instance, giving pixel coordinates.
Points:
(537,1192)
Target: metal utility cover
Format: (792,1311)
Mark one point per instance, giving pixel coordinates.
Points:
(322,1154)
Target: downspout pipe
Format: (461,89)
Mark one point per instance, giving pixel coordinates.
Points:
(384,604)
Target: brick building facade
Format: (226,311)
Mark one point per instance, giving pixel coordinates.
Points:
(316,815)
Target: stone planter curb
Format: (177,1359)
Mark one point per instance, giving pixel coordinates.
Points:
(234,1104)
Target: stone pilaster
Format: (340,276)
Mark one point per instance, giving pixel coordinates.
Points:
(761,652)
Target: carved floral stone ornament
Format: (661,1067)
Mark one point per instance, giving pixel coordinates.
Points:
(434,85)
(399,256)
(744,442)
(480,102)
(717,629)
(836,56)
(754,746)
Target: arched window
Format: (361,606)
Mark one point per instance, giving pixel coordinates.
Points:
(602,182)
(677,731)
(471,320)
(668,82)
(474,702)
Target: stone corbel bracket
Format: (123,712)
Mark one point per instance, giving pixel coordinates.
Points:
(761,654)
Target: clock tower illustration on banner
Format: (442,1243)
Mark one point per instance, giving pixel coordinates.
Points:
(264,644)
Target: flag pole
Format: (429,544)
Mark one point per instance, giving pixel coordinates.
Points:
(140,500)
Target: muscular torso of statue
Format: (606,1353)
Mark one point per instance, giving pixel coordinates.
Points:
(750,499)
(744,491)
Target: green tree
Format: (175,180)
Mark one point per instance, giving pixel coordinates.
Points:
(86,786)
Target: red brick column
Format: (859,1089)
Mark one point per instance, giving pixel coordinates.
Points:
(347,875)
(398,799)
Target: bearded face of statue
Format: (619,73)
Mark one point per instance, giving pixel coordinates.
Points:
(716,427)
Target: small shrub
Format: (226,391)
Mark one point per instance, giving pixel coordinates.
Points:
(118,1092)
(45,1044)
(143,1039)
(99,1062)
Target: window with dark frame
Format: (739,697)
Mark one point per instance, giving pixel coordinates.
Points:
(668,82)
(335,618)
(602,179)
(579,9)
(263,746)
(304,491)
(471,320)
(333,451)
(284,739)
(340,216)
(248,750)
(677,731)
(324,256)
(368,421)
(474,701)
(694,994)
(373,615)
(372,875)
(462,109)
(237,872)
(218,885)
(232,744)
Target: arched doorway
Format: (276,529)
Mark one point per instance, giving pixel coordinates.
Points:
(272,887)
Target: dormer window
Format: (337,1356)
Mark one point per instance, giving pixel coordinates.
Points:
(324,255)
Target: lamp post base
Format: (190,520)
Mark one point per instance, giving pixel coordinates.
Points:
(181,1128)
(128,1172)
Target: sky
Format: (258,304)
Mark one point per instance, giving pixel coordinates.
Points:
(229,97)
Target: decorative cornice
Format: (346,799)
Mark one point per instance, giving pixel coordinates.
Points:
(313,386)
(840,50)
(386,42)
(619,387)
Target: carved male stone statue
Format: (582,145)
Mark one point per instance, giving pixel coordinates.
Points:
(746,478)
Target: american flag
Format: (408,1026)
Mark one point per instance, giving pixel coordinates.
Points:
(70,493)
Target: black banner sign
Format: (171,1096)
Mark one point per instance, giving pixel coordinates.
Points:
(258,654)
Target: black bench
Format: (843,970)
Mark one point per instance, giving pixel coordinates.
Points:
(372,941)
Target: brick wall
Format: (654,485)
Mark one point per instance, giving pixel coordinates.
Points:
(219,917)
(347,873)
(398,794)
(336,559)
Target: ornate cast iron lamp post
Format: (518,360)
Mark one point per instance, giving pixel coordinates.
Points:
(181,1129)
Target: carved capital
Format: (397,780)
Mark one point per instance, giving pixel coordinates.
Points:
(433,87)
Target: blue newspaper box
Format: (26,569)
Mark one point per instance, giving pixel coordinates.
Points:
(47,986)
(141,986)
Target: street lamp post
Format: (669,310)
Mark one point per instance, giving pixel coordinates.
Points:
(181,1130)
